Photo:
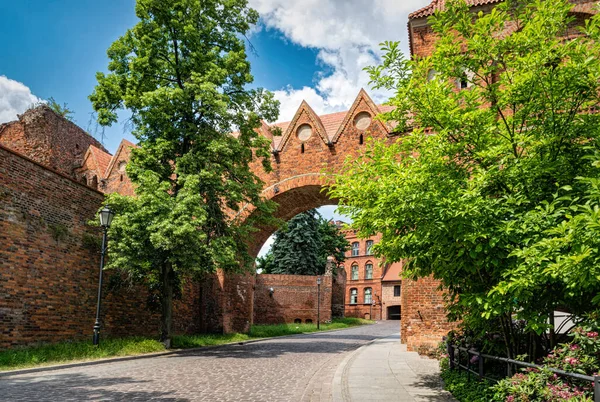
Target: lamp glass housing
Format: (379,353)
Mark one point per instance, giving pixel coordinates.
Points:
(106,217)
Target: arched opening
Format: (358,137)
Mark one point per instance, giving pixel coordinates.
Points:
(290,202)
(393,313)
(94,182)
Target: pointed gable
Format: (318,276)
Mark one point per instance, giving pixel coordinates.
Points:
(314,119)
(125,144)
(362,103)
(115,179)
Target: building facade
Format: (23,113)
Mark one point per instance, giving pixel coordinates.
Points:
(365,273)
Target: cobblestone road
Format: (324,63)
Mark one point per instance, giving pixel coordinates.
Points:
(297,368)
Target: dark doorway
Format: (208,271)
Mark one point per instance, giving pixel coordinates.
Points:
(393,313)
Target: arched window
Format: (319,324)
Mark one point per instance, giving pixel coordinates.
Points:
(355,249)
(94,183)
(368,298)
(369,247)
(353,296)
(368,271)
(354,273)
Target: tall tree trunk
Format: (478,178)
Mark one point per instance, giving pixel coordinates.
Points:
(166,302)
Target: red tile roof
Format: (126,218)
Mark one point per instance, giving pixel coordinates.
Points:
(102,158)
(393,273)
(440,4)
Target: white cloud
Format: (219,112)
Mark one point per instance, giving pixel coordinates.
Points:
(15,98)
(347,34)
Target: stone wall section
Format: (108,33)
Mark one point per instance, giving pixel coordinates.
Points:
(294,297)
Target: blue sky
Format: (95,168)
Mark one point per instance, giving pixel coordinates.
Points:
(313,50)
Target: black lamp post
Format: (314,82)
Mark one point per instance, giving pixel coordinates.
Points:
(106,217)
(319,302)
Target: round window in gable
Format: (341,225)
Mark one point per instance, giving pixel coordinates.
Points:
(122,166)
(304,132)
(362,121)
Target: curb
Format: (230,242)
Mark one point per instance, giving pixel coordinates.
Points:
(157,354)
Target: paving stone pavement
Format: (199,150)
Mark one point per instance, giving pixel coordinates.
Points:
(300,368)
(384,371)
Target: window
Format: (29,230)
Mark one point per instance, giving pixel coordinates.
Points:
(355,249)
(397,291)
(354,275)
(353,296)
(369,247)
(368,299)
(369,271)
(465,80)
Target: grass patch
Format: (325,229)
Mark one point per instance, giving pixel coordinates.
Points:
(195,341)
(76,351)
(19,358)
(267,331)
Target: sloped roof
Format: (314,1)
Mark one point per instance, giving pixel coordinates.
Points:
(436,5)
(102,158)
(393,273)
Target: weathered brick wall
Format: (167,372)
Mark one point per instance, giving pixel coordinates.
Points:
(43,136)
(424,321)
(294,297)
(49,270)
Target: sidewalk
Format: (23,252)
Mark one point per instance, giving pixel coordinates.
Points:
(385,371)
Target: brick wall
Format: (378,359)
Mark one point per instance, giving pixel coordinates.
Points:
(49,139)
(49,271)
(424,320)
(294,297)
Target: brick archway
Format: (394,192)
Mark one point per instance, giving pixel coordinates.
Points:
(307,152)
(293,196)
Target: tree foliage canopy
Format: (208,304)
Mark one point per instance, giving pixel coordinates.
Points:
(303,246)
(182,72)
(484,189)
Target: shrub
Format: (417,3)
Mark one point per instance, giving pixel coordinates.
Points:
(463,388)
(581,355)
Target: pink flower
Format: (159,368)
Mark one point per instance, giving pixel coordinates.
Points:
(510,398)
(572,361)
(574,347)
(592,334)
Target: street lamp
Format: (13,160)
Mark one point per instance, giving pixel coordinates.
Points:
(106,217)
(318,302)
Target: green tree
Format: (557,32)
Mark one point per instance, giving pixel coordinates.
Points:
(266,264)
(303,246)
(182,72)
(62,110)
(468,198)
